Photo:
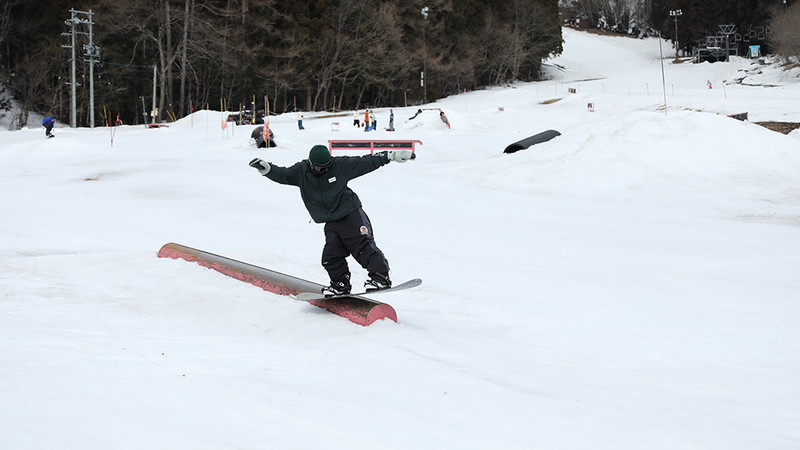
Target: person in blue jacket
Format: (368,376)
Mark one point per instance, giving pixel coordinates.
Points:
(48,123)
(322,180)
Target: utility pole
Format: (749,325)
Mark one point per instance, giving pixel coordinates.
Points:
(424,57)
(92,53)
(72,22)
(153,121)
(675,13)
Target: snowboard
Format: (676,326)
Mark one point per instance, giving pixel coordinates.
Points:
(311,296)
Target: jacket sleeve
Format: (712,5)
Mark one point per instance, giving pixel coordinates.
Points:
(286,175)
(362,165)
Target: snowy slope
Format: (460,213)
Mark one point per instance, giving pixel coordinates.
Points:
(630,284)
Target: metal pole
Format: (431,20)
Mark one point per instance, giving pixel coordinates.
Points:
(424,56)
(154,94)
(663,77)
(91,73)
(675,14)
(726,48)
(676,38)
(73,120)
(727,30)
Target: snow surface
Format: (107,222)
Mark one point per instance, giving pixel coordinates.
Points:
(633,283)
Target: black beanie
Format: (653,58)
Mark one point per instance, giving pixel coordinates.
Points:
(319,155)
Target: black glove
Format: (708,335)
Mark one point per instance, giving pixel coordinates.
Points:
(261,165)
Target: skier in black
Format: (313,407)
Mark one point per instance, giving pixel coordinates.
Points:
(322,180)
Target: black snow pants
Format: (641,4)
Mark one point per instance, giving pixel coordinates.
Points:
(352,236)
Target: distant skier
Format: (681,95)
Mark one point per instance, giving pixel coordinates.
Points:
(322,180)
(48,123)
(391,120)
(356,120)
(300,120)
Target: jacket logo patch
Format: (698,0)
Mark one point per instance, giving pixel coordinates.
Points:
(364,230)
(332,180)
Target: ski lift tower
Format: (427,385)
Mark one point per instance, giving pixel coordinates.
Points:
(727,31)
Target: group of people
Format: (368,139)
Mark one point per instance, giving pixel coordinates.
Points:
(371,120)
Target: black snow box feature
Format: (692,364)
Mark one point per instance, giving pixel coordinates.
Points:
(544,136)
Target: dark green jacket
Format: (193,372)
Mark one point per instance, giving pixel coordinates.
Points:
(327,197)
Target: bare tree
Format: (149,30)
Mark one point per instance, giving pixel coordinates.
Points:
(5,27)
(5,19)
(326,53)
(151,24)
(786,34)
(335,47)
(35,74)
(513,43)
(362,47)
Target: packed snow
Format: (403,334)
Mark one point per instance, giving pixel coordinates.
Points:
(633,283)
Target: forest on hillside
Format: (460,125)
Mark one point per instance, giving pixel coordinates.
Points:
(311,55)
(756,22)
(323,54)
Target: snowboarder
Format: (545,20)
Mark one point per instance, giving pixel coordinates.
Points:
(48,123)
(356,120)
(391,120)
(322,180)
(300,120)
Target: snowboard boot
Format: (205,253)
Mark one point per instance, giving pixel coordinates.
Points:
(377,282)
(338,287)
